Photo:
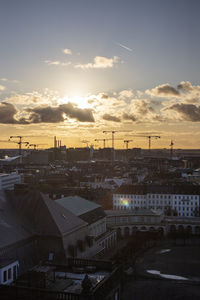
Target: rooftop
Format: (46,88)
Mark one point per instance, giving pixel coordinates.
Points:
(6,261)
(12,227)
(176,188)
(42,215)
(135,212)
(77,205)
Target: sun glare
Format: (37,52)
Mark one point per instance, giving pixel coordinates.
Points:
(81,102)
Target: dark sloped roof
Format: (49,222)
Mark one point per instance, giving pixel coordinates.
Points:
(93,216)
(77,205)
(87,210)
(43,215)
(12,228)
(65,220)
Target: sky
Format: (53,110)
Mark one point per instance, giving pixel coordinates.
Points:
(76,68)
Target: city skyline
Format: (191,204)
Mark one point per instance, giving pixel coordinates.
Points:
(76,68)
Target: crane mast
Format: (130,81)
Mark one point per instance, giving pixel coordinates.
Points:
(127,142)
(19,142)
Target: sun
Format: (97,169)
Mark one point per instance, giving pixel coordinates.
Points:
(78,100)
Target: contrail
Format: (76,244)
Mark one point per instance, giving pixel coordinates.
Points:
(123,46)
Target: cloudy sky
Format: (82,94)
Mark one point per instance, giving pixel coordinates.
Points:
(74,68)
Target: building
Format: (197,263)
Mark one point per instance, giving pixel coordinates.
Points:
(7,181)
(172,200)
(95,217)
(78,279)
(18,241)
(33,227)
(8,271)
(126,222)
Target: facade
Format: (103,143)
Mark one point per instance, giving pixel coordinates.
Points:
(177,203)
(95,217)
(8,271)
(7,181)
(126,222)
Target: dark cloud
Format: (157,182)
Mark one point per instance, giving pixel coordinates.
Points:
(108,117)
(187,112)
(129,117)
(49,114)
(104,96)
(164,90)
(82,115)
(167,89)
(7,113)
(44,114)
(185,85)
(143,108)
(91,101)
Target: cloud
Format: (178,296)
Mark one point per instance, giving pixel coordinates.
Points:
(104,96)
(163,90)
(57,63)
(129,117)
(111,118)
(48,97)
(49,114)
(43,114)
(186,112)
(141,107)
(7,113)
(123,46)
(185,85)
(126,94)
(99,62)
(4,79)
(2,88)
(67,51)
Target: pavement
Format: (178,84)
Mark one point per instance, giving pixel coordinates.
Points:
(175,263)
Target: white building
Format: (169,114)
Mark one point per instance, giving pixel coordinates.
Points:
(8,271)
(186,205)
(7,181)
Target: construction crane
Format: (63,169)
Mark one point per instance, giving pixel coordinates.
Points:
(19,142)
(85,142)
(171,149)
(149,137)
(127,142)
(104,141)
(113,135)
(35,145)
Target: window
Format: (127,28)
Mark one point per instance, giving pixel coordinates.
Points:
(4,276)
(9,273)
(14,272)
